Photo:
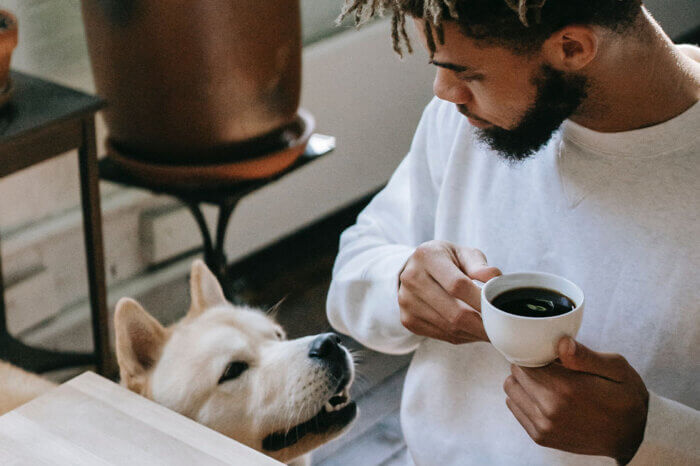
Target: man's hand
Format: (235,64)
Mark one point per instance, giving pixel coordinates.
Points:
(591,403)
(437,296)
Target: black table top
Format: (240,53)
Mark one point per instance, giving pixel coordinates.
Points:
(37,103)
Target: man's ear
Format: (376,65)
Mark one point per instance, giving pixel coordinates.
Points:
(571,48)
(139,341)
(205,290)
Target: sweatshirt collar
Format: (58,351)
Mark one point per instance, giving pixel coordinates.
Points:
(669,136)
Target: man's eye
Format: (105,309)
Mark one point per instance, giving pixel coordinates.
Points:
(233,370)
(471,77)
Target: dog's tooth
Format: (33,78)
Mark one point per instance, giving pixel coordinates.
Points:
(329,407)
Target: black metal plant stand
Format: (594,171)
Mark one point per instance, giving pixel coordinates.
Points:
(225,197)
(214,255)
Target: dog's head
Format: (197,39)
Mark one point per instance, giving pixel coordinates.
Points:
(232,369)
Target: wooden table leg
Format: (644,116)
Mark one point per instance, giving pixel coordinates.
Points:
(92,227)
(3,317)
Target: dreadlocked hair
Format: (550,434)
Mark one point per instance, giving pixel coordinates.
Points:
(520,25)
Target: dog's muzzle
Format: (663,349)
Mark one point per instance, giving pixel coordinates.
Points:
(338,411)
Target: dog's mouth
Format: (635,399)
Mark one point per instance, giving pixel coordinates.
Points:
(338,412)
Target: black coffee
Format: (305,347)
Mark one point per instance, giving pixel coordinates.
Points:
(533,302)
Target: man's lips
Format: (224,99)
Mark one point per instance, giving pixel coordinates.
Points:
(478,123)
(473,120)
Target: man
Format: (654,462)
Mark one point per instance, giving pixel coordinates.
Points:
(578,156)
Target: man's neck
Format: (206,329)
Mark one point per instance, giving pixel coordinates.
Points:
(640,81)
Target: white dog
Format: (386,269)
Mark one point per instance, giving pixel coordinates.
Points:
(227,367)
(232,369)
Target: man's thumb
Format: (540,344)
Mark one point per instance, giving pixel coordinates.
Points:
(578,357)
(474,261)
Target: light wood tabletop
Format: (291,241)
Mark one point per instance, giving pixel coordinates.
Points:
(90,420)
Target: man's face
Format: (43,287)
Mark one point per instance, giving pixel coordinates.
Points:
(516,101)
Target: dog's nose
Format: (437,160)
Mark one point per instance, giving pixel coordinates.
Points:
(326,346)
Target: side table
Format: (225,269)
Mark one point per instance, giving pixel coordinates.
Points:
(43,120)
(225,197)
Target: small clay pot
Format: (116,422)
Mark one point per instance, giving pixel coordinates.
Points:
(8,42)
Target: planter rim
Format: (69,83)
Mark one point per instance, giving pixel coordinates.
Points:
(220,173)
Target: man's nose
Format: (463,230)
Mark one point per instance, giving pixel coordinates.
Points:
(448,87)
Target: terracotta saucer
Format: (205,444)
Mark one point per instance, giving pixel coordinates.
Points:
(219,173)
(6,93)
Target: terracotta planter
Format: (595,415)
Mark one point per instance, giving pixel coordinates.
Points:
(194,81)
(8,42)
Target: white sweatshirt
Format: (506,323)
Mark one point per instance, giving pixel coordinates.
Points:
(617,213)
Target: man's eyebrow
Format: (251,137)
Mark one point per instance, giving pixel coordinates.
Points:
(452,66)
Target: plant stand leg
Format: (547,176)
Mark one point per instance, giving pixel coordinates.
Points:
(214,255)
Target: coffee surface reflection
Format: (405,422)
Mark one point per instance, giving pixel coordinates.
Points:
(533,302)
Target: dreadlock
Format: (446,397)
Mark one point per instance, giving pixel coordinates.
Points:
(521,25)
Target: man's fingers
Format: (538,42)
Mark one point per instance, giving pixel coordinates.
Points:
(453,280)
(442,269)
(475,264)
(577,357)
(469,321)
(522,418)
(427,329)
(422,319)
(534,382)
(453,268)
(522,400)
(460,316)
(434,289)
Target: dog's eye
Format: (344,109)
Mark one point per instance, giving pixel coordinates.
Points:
(233,370)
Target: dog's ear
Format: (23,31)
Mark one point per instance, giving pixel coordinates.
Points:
(205,290)
(139,342)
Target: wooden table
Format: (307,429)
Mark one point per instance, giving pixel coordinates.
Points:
(43,120)
(92,421)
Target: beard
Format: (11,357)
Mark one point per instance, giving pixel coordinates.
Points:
(558,96)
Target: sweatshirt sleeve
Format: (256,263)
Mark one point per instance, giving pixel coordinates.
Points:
(363,295)
(671,436)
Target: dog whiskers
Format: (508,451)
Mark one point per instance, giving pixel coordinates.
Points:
(274,309)
(357,355)
(362,382)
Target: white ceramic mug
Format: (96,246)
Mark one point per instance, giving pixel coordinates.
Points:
(529,341)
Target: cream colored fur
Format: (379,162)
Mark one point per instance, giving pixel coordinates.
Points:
(18,386)
(180,367)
